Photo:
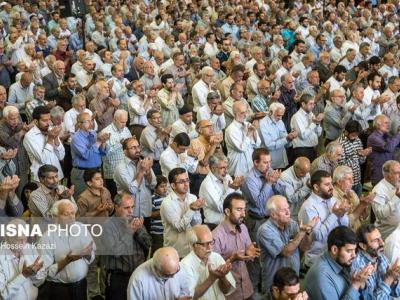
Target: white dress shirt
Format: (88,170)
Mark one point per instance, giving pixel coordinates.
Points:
(197,272)
(151,144)
(335,84)
(65,243)
(307,129)
(214,191)
(199,94)
(386,207)
(211,49)
(14,285)
(240,148)
(83,78)
(369,93)
(169,160)
(138,111)
(392,246)
(120,89)
(179,126)
(205,113)
(178,220)
(41,153)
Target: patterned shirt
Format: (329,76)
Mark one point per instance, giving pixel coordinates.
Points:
(350,156)
(156,226)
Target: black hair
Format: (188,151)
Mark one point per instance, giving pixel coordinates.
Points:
(45,169)
(182,139)
(318,175)
(228,200)
(89,174)
(341,236)
(285,277)
(175,172)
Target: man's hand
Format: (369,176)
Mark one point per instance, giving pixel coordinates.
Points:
(194,151)
(219,272)
(198,204)
(392,273)
(273,177)
(253,251)
(54,132)
(365,152)
(383,99)
(114,102)
(368,199)
(307,228)
(292,135)
(87,251)
(360,277)
(67,193)
(136,224)
(340,210)
(9,154)
(28,271)
(9,184)
(236,183)
(103,137)
(353,108)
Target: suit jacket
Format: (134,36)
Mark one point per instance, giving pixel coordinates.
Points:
(324,72)
(50,82)
(65,96)
(133,74)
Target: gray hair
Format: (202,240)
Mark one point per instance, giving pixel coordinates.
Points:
(275,106)
(119,197)
(332,147)
(55,209)
(271,203)
(57,111)
(340,172)
(120,112)
(387,165)
(8,110)
(377,120)
(205,69)
(77,97)
(216,158)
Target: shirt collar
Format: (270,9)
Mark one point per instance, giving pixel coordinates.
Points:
(334,265)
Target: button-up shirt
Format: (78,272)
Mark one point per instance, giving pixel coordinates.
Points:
(328,280)
(104,112)
(363,112)
(390,107)
(287,99)
(199,94)
(145,284)
(227,241)
(197,272)
(138,110)
(323,163)
(70,119)
(40,152)
(65,243)
(151,144)
(386,207)
(335,119)
(179,126)
(214,191)
(169,160)
(205,113)
(308,131)
(14,285)
(169,106)
(259,103)
(18,95)
(115,154)
(273,136)
(369,93)
(316,206)
(124,177)
(295,189)
(178,219)
(240,148)
(272,240)
(350,156)
(392,246)
(375,286)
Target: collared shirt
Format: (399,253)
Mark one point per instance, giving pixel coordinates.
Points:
(296,190)
(390,107)
(316,206)
(40,152)
(65,243)
(214,191)
(197,272)
(335,119)
(308,131)
(386,207)
(42,199)
(179,126)
(392,246)
(124,177)
(287,99)
(85,153)
(205,113)
(273,136)
(383,147)
(178,219)
(169,160)
(90,199)
(272,240)
(232,29)
(115,154)
(18,95)
(350,156)
(388,72)
(145,284)
(14,285)
(228,109)
(251,86)
(169,106)
(375,286)
(70,119)
(31,105)
(83,77)
(323,163)
(104,112)
(199,94)
(228,241)
(151,144)
(326,279)
(120,89)
(123,247)
(363,112)
(369,93)
(259,103)
(351,199)
(240,148)
(256,190)
(138,110)
(150,81)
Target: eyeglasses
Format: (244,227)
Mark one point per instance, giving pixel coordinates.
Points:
(183,181)
(206,244)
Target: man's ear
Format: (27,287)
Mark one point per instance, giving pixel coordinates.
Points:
(334,250)
(227,211)
(275,292)
(362,246)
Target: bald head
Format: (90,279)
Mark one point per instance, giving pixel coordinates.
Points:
(166,260)
(302,166)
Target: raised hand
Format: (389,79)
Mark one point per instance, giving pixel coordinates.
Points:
(67,193)
(31,270)
(9,154)
(136,224)
(237,182)
(196,205)
(253,251)
(219,272)
(340,209)
(274,176)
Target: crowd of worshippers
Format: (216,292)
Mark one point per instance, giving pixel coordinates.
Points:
(232,149)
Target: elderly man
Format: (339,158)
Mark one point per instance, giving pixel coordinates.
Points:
(170,100)
(52,82)
(263,96)
(236,95)
(383,146)
(123,258)
(70,116)
(329,160)
(48,192)
(281,239)
(10,205)
(21,267)
(274,135)
(85,75)
(258,74)
(308,127)
(184,124)
(202,87)
(296,184)
(87,148)
(213,111)
(215,187)
(43,144)
(66,263)
(330,214)
(180,210)
(139,104)
(150,79)
(386,203)
(336,116)
(390,107)
(134,175)
(21,91)
(241,138)
(160,277)
(287,98)
(120,85)
(208,274)
(115,155)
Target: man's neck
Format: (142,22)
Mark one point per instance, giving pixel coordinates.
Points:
(181,196)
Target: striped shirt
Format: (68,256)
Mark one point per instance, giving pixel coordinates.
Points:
(156,226)
(350,156)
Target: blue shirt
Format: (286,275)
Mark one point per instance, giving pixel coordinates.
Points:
(75,42)
(327,280)
(272,240)
(84,151)
(232,29)
(257,191)
(375,287)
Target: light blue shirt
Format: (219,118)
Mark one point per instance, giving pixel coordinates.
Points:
(327,280)
(232,29)
(273,136)
(18,95)
(316,206)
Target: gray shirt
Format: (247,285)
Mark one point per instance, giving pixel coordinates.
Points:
(336,118)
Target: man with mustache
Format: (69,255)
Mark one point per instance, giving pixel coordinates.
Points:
(321,204)
(383,282)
